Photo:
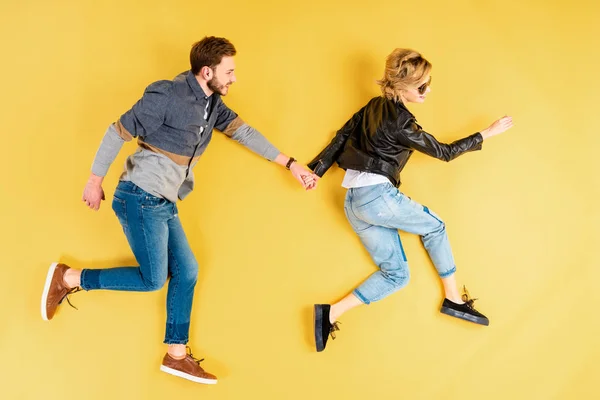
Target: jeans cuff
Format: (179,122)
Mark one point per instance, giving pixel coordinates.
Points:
(175,341)
(360,296)
(90,279)
(448,273)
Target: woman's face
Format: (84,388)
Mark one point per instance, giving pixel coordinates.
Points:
(419,93)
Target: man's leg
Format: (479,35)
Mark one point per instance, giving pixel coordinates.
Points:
(183,268)
(145,222)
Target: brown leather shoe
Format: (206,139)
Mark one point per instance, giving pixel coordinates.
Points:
(188,368)
(55,290)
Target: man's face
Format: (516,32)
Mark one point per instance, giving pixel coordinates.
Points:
(223,76)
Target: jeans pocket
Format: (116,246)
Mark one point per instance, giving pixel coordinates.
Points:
(148,201)
(119,206)
(375,212)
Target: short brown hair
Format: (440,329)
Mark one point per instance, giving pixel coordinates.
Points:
(404,69)
(209,51)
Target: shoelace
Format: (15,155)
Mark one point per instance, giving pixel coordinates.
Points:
(467,299)
(189,352)
(334,327)
(66,296)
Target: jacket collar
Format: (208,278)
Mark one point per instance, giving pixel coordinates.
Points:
(401,107)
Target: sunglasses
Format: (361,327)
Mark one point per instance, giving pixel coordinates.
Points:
(423,88)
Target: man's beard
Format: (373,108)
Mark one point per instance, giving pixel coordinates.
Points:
(216,86)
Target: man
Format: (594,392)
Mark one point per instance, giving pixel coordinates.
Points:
(173,122)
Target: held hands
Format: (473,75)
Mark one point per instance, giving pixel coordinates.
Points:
(497,127)
(305,177)
(93,193)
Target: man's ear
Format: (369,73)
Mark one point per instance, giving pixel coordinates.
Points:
(206,73)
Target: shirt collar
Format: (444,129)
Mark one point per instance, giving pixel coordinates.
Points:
(196,88)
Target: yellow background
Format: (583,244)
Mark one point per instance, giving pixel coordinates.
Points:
(522,214)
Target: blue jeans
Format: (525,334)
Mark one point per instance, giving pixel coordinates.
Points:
(376,213)
(160,246)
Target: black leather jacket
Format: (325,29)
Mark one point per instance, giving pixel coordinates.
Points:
(381,137)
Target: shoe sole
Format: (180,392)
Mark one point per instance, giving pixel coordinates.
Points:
(188,376)
(46,290)
(318,325)
(465,316)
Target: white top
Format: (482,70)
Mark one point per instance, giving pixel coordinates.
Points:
(354,178)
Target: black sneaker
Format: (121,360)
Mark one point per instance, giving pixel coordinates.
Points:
(464,311)
(323,328)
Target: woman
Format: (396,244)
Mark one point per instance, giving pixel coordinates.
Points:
(373,147)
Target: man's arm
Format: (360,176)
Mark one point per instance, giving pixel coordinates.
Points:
(109,148)
(143,119)
(235,128)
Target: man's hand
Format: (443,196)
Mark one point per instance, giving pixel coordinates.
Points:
(93,193)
